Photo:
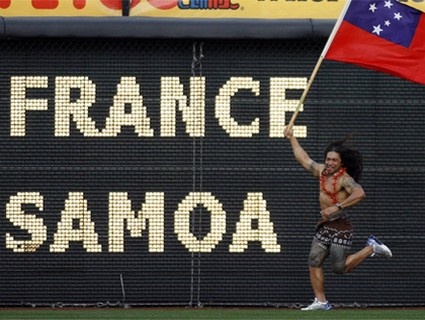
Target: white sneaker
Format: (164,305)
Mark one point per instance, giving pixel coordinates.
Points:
(317,305)
(378,247)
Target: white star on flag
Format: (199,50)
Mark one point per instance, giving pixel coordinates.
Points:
(372,7)
(377,29)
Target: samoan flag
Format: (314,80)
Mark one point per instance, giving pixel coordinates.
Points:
(382,35)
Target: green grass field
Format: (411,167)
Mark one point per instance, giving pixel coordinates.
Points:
(208,313)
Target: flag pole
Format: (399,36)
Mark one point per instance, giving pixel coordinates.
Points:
(307,88)
(318,64)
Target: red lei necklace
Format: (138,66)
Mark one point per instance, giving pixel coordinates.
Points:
(335,178)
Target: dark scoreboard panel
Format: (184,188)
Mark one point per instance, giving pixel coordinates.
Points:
(155,172)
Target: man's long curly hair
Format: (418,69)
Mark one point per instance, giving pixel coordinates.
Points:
(351,159)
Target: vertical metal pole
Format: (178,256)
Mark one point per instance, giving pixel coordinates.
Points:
(126,4)
(197,176)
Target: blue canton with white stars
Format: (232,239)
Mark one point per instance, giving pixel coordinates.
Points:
(387,19)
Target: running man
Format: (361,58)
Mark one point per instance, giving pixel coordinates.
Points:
(339,190)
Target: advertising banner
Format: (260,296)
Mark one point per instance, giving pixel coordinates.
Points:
(212,9)
(252,9)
